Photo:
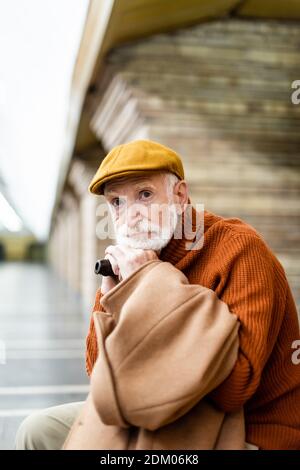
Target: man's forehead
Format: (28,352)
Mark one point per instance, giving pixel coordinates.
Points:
(133,180)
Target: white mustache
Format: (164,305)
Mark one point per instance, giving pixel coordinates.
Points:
(140,227)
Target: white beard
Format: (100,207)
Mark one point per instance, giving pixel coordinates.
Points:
(160,237)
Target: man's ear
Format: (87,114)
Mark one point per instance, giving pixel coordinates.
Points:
(181,193)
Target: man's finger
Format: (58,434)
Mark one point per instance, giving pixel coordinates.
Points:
(120,253)
(115,250)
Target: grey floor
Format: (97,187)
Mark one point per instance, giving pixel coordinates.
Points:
(43,324)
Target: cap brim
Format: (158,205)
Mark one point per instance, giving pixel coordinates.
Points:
(96,187)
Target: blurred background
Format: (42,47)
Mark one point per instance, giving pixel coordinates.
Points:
(212,79)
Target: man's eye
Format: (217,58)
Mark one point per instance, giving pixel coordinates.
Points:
(146,194)
(116,202)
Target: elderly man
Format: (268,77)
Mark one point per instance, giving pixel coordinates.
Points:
(245,297)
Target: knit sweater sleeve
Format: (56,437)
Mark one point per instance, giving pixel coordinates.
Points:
(91,340)
(255,290)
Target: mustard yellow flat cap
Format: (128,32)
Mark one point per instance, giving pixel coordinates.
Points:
(135,157)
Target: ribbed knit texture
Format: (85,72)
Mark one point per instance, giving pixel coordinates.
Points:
(238,265)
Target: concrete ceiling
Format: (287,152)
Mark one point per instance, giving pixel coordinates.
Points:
(112,22)
(133,19)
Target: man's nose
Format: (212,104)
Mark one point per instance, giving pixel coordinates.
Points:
(134,214)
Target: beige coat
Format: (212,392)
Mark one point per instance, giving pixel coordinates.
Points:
(164,344)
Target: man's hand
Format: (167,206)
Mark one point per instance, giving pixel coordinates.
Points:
(124,261)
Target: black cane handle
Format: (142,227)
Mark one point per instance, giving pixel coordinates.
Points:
(103,267)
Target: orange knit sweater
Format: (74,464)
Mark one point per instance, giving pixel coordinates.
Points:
(237,264)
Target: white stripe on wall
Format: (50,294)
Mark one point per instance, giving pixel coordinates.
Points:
(45,354)
(18,412)
(44,344)
(44,389)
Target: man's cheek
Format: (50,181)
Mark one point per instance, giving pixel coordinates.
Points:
(119,220)
(155,214)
